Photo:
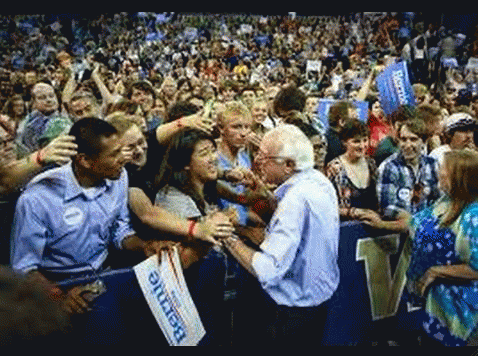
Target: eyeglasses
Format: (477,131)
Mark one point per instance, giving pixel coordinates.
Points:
(260,157)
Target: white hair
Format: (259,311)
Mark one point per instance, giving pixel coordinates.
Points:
(293,144)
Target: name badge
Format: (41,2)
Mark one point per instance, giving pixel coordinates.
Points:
(73,216)
(427,191)
(404,194)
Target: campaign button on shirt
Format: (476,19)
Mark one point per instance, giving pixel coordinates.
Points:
(427,191)
(404,194)
(73,216)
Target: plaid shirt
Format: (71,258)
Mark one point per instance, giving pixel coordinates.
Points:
(37,130)
(399,189)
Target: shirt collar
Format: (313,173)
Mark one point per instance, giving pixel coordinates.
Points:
(228,162)
(402,161)
(35,113)
(73,188)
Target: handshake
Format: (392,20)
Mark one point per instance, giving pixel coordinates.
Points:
(212,229)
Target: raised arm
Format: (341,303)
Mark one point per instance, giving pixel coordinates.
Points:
(108,98)
(196,121)
(18,172)
(69,88)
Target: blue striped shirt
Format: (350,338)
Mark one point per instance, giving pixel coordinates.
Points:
(37,130)
(244,161)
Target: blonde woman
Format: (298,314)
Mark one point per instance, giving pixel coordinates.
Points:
(444,260)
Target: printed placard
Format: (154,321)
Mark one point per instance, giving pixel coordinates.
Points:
(313,66)
(394,88)
(168,297)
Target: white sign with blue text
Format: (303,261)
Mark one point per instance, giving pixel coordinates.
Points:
(167,295)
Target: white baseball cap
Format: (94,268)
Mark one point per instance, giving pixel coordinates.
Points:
(459,120)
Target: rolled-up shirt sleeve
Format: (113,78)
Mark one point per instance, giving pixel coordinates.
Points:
(279,249)
(29,236)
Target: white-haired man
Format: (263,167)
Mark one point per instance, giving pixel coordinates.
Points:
(296,264)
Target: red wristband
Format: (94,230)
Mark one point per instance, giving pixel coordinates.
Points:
(55,293)
(39,158)
(192,225)
(241,198)
(179,122)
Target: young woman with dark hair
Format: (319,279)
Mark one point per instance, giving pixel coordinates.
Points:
(189,191)
(354,173)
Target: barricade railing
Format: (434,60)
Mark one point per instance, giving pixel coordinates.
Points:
(371,292)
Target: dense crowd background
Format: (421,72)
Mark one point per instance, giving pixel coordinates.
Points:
(158,68)
(152,46)
(212,49)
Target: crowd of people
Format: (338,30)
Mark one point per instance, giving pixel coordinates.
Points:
(126,134)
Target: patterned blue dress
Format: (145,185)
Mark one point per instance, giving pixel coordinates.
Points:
(450,313)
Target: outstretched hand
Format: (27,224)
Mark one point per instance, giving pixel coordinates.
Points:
(155,247)
(96,71)
(199,122)
(215,226)
(369,217)
(428,278)
(60,150)
(7,154)
(238,175)
(256,187)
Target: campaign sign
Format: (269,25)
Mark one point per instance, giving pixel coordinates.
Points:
(472,63)
(324,105)
(246,28)
(191,33)
(167,295)
(164,17)
(154,36)
(313,66)
(262,40)
(394,88)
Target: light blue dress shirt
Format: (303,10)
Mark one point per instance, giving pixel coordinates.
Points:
(59,224)
(297,265)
